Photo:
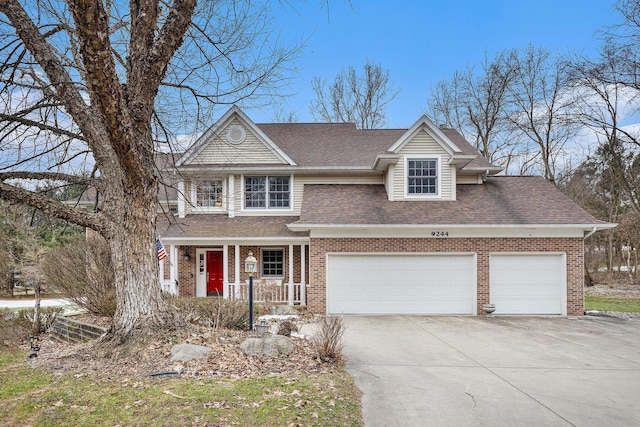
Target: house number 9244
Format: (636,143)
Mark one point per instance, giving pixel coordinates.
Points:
(439,234)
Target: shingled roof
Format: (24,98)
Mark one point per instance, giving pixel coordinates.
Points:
(221,226)
(504,200)
(330,144)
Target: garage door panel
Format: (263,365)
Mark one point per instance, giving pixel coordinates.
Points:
(395,284)
(527,283)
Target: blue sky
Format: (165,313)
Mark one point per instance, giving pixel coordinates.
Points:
(421,42)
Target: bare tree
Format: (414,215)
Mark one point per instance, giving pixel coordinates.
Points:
(542,104)
(360,99)
(604,102)
(87,85)
(474,102)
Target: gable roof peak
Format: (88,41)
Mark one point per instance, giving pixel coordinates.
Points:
(425,123)
(233,112)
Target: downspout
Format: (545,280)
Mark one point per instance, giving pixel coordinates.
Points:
(589,234)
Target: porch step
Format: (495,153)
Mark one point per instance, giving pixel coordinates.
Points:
(74,332)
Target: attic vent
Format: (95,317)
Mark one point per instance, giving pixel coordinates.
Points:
(236,134)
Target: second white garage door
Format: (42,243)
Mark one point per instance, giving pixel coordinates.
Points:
(401,284)
(528,283)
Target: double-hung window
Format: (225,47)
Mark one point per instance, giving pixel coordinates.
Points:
(208,195)
(272,263)
(267,192)
(422,177)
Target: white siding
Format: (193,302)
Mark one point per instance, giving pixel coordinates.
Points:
(469,179)
(299,182)
(251,151)
(423,145)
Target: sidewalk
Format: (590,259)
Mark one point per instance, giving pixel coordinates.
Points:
(31,302)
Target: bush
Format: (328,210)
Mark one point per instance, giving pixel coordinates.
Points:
(327,342)
(217,313)
(82,270)
(286,327)
(16,327)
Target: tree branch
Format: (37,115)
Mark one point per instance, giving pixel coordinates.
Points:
(57,209)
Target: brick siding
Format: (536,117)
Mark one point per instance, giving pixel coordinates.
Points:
(483,247)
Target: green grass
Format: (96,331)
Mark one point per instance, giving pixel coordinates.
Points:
(600,303)
(43,398)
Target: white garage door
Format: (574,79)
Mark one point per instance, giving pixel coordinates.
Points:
(401,284)
(528,283)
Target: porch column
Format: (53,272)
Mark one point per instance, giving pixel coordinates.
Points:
(236,292)
(225,271)
(290,284)
(303,274)
(173,268)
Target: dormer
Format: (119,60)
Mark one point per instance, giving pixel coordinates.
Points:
(425,163)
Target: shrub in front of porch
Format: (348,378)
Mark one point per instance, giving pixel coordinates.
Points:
(218,313)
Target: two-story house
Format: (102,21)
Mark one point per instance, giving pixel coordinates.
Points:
(381,221)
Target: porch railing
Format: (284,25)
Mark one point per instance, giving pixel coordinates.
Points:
(270,292)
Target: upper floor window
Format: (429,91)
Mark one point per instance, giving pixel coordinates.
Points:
(267,192)
(208,194)
(422,177)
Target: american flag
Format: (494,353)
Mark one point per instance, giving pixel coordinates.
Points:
(162,254)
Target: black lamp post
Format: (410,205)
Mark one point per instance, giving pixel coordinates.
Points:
(250,265)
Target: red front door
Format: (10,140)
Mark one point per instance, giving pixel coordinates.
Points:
(214,273)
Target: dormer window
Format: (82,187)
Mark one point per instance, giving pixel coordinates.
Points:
(423,177)
(267,192)
(208,195)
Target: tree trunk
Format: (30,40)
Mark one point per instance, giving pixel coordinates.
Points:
(141,310)
(36,311)
(140,306)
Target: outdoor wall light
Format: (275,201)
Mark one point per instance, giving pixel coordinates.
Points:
(187,257)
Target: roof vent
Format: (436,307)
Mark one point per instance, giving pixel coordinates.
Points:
(236,134)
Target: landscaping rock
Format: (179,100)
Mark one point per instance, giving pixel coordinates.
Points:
(283,344)
(187,352)
(286,310)
(268,346)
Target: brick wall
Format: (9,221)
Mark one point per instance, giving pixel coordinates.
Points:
(186,272)
(483,247)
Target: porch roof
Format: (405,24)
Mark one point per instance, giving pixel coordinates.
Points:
(199,226)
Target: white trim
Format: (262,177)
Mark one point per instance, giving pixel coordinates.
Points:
(438,194)
(173,268)
(203,209)
(236,266)
(290,281)
(266,209)
(244,241)
(390,181)
(231,183)
(181,200)
(201,273)
(303,273)
(225,271)
(201,278)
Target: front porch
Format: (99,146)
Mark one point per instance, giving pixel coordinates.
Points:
(217,270)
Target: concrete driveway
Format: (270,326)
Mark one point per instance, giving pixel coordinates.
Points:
(498,371)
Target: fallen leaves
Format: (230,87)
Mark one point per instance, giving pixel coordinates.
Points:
(153,356)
